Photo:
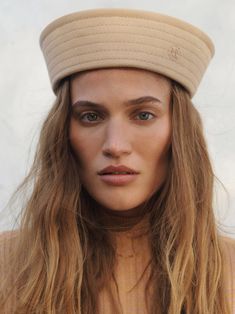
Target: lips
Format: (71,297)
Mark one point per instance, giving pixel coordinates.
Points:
(117,170)
(118,175)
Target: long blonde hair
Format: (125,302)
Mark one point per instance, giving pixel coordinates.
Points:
(59,240)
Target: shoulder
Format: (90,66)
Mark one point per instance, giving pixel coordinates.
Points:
(7,251)
(228,245)
(7,237)
(7,240)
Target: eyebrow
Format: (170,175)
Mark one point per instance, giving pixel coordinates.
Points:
(131,102)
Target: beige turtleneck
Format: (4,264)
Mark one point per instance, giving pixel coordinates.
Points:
(132,268)
(126,295)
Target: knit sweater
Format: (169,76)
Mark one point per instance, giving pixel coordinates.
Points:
(131,271)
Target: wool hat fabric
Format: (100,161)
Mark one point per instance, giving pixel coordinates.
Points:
(106,38)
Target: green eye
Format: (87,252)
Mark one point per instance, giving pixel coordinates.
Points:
(144,115)
(90,116)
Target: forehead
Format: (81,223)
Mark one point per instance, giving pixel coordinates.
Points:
(119,82)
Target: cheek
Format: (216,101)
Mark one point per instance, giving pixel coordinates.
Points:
(157,142)
(78,142)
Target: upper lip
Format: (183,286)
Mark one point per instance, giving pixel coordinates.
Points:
(110,169)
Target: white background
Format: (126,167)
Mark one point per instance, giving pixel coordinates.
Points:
(26,94)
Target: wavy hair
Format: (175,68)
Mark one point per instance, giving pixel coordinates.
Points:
(62,257)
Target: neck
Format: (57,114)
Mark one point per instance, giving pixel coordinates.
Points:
(121,219)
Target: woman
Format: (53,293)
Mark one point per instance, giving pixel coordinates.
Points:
(120,218)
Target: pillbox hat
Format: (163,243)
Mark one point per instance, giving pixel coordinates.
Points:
(103,38)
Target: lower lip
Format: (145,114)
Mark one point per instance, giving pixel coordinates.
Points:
(118,179)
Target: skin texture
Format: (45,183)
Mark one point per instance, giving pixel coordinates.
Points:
(120,134)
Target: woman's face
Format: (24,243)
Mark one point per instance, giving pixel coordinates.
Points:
(121,116)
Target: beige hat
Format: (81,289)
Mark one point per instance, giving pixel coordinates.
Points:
(103,38)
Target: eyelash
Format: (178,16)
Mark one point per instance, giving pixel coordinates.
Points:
(92,112)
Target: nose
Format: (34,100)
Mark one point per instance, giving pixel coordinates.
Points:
(116,142)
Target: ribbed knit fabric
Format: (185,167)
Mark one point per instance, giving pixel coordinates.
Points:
(7,238)
(131,272)
(229,247)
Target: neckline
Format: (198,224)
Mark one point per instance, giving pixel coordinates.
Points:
(125,220)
